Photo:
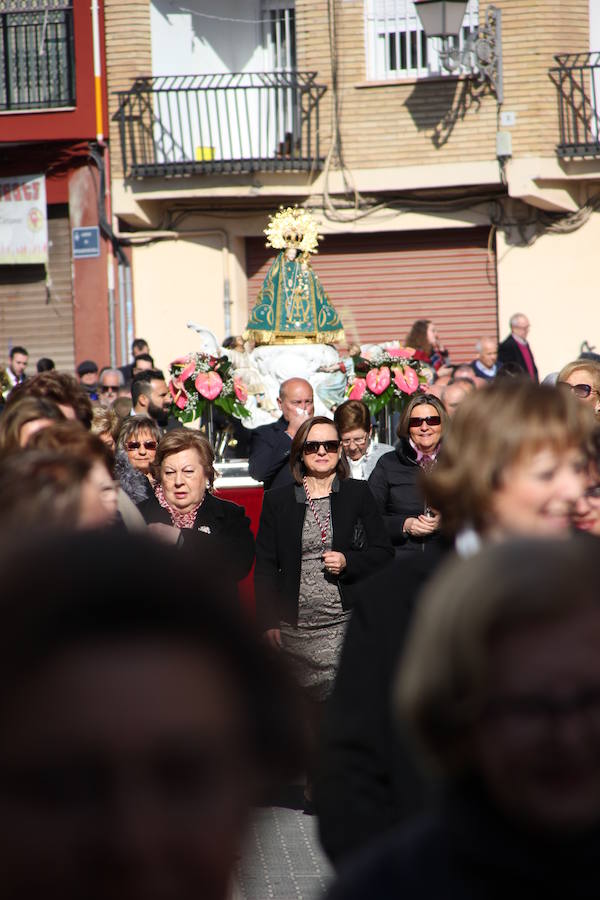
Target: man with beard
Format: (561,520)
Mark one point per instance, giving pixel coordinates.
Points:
(150,397)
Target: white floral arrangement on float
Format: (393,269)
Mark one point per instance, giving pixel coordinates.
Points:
(200,380)
(293,227)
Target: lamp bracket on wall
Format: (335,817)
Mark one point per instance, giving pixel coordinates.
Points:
(481,53)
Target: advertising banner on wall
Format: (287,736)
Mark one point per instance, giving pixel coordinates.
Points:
(23,222)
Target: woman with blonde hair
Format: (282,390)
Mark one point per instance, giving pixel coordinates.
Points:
(583,378)
(106,424)
(410,518)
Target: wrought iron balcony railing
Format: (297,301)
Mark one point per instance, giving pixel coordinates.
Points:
(37,62)
(577,78)
(201,124)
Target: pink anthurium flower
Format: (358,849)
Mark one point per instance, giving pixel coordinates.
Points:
(378,380)
(358,389)
(406,379)
(209,384)
(178,394)
(411,378)
(187,369)
(240,390)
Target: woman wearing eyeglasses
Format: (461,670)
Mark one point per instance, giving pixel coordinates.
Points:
(317,539)
(583,378)
(136,451)
(353,420)
(395,480)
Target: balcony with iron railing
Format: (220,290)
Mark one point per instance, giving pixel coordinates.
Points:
(577,79)
(231,123)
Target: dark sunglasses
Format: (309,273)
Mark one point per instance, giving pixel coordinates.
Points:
(105,388)
(592,491)
(582,391)
(417,421)
(135,445)
(312,447)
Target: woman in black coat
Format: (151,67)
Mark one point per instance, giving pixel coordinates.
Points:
(395,480)
(317,539)
(185,512)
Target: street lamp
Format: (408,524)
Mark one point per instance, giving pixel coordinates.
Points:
(483,52)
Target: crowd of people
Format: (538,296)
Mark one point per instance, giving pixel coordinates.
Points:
(424,650)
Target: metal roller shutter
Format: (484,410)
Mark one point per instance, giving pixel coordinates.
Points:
(381,283)
(37,315)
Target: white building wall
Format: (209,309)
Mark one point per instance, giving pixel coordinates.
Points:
(554,282)
(176,281)
(186,41)
(594,24)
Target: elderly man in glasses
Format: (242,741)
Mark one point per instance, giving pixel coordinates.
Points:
(109,382)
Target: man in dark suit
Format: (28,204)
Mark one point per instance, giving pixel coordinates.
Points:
(515,348)
(270,445)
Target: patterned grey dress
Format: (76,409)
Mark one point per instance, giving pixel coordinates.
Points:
(314,644)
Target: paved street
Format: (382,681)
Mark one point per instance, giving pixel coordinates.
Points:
(283,859)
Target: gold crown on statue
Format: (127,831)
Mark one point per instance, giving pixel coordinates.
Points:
(295,228)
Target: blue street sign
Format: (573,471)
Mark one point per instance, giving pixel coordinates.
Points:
(86,242)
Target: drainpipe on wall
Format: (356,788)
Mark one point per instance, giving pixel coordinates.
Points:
(111,308)
(129,305)
(105,172)
(97,71)
(122,317)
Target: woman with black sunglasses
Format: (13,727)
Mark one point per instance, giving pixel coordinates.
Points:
(395,481)
(317,539)
(136,450)
(582,378)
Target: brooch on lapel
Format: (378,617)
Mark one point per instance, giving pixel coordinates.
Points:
(204,528)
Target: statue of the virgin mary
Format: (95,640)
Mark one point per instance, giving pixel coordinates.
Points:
(292,306)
